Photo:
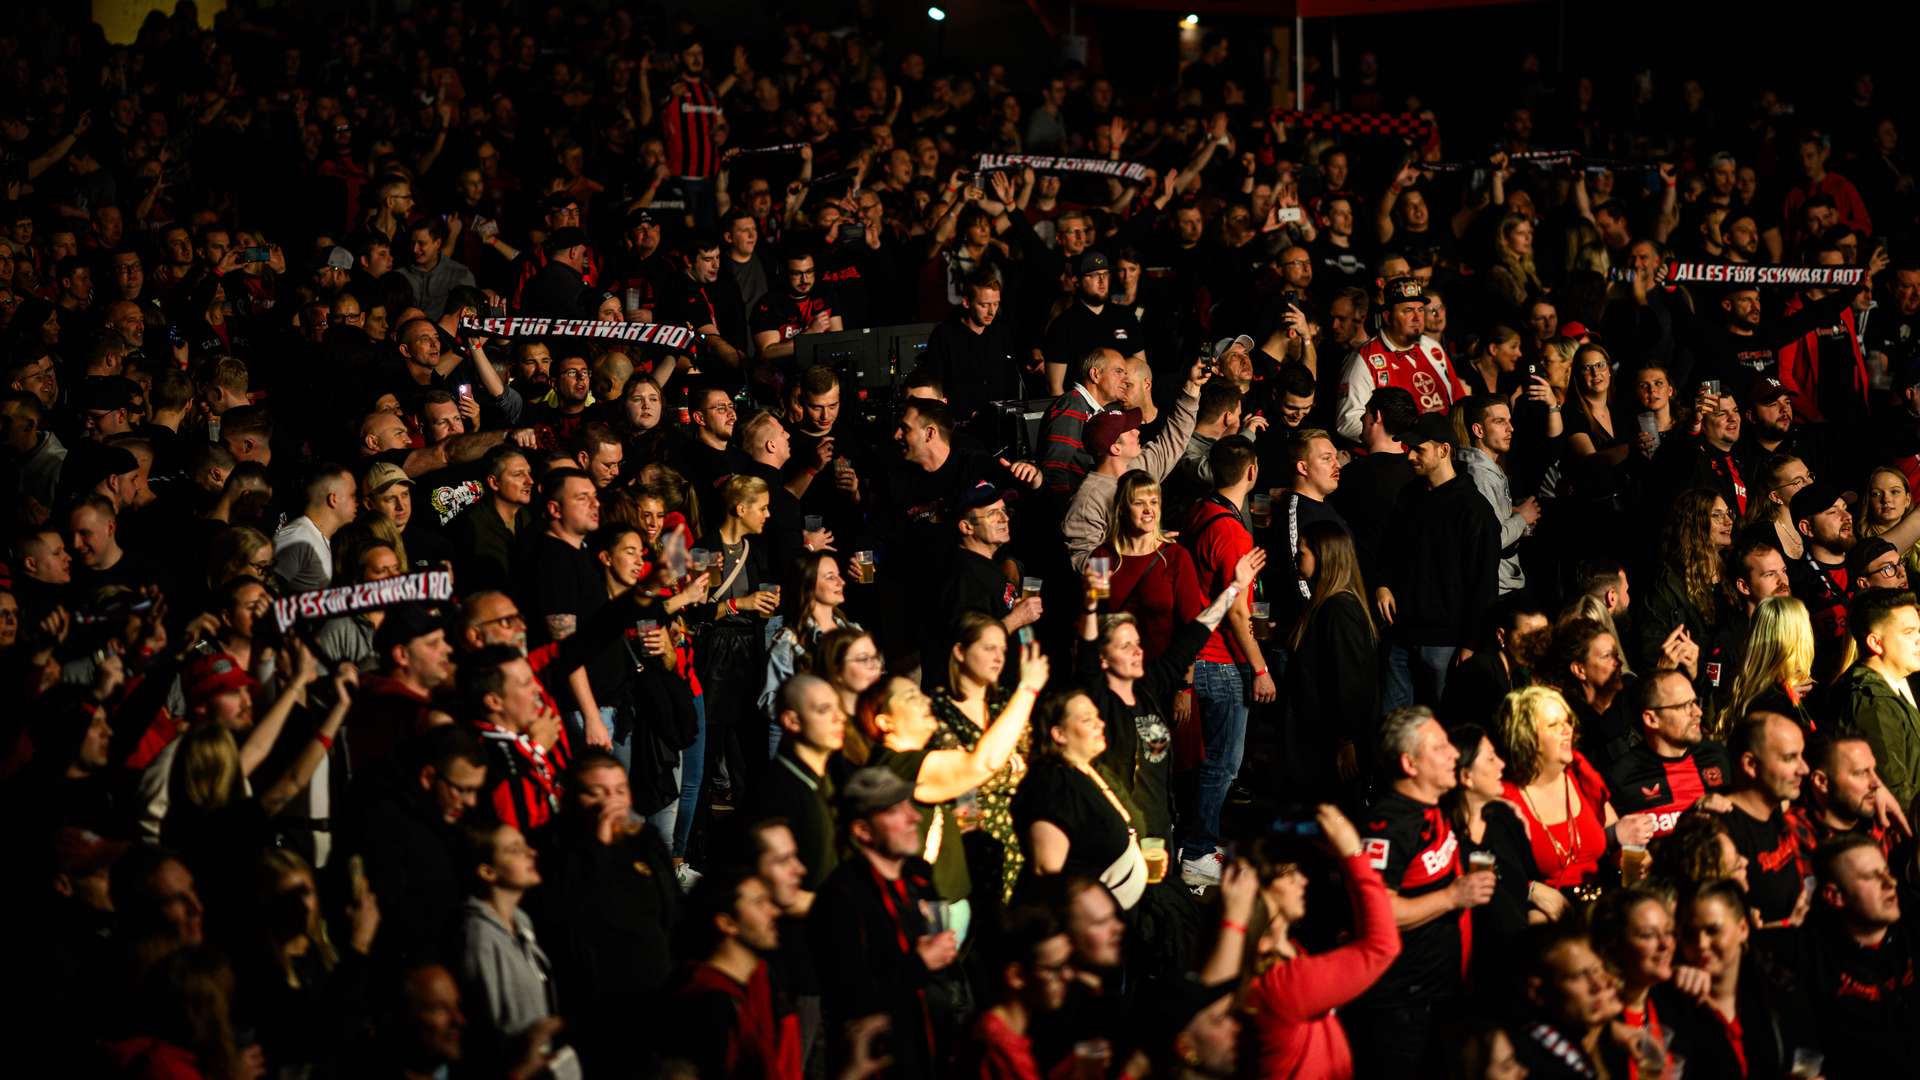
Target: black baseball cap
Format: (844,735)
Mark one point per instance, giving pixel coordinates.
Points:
(1433,427)
(1816,497)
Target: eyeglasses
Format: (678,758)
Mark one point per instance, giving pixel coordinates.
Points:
(1890,571)
(1795,482)
(1690,703)
(863,660)
(1721,517)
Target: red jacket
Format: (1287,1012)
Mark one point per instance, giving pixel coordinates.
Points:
(1293,1024)
(1799,364)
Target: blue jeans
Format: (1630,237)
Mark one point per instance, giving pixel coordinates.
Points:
(622,741)
(1220,691)
(693,772)
(1415,673)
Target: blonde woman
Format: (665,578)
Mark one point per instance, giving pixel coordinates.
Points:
(1889,502)
(1777,674)
(1513,279)
(1564,802)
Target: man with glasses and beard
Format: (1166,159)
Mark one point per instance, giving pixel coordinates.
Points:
(1672,768)
(784,314)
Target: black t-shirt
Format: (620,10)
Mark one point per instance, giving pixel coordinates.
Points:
(1140,753)
(1063,796)
(559,580)
(1079,330)
(1643,782)
(973,368)
(1776,866)
(1416,852)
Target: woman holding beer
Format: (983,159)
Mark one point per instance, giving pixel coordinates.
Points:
(1492,836)
(1559,794)
(1134,695)
(1153,578)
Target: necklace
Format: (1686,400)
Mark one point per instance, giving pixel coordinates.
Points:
(1573,829)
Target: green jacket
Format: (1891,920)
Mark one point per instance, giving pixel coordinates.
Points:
(1865,704)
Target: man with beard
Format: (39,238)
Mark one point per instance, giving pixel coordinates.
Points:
(1740,348)
(1770,429)
(975,580)
(564,409)
(1396,357)
(972,352)
(1090,323)
(784,314)
(1820,580)
(1843,794)
(1672,768)
(708,458)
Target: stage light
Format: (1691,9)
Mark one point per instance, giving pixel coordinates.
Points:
(1190,21)
(936,14)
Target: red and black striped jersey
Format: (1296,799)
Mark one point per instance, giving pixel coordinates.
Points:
(688,122)
(1416,852)
(1643,782)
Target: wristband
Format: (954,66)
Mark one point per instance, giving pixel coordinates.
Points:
(1229,924)
(325,741)
(733,606)
(1259,673)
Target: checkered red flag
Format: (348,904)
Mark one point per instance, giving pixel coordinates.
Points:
(1404,125)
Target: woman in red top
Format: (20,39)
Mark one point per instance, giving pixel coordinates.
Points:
(1562,798)
(1153,578)
(1291,994)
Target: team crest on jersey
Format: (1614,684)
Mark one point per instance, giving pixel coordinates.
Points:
(1710,776)
(1376,852)
(1377,360)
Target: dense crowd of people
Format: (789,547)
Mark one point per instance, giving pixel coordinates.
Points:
(471,613)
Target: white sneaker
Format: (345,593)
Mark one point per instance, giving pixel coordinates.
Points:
(686,875)
(1203,872)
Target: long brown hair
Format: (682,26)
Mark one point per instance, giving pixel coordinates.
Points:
(1688,548)
(1336,570)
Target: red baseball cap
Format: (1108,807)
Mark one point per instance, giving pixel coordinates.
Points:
(211,676)
(1106,428)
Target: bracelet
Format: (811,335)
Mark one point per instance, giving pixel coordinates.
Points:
(1229,924)
(325,741)
(733,605)
(1259,673)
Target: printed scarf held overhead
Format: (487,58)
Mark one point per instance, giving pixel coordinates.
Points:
(672,337)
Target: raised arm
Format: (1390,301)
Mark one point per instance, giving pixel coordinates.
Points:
(946,775)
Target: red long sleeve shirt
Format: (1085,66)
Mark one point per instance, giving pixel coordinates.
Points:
(1294,1025)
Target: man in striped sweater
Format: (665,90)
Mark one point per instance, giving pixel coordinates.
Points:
(1064,459)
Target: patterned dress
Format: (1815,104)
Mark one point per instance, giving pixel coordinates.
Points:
(995,796)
